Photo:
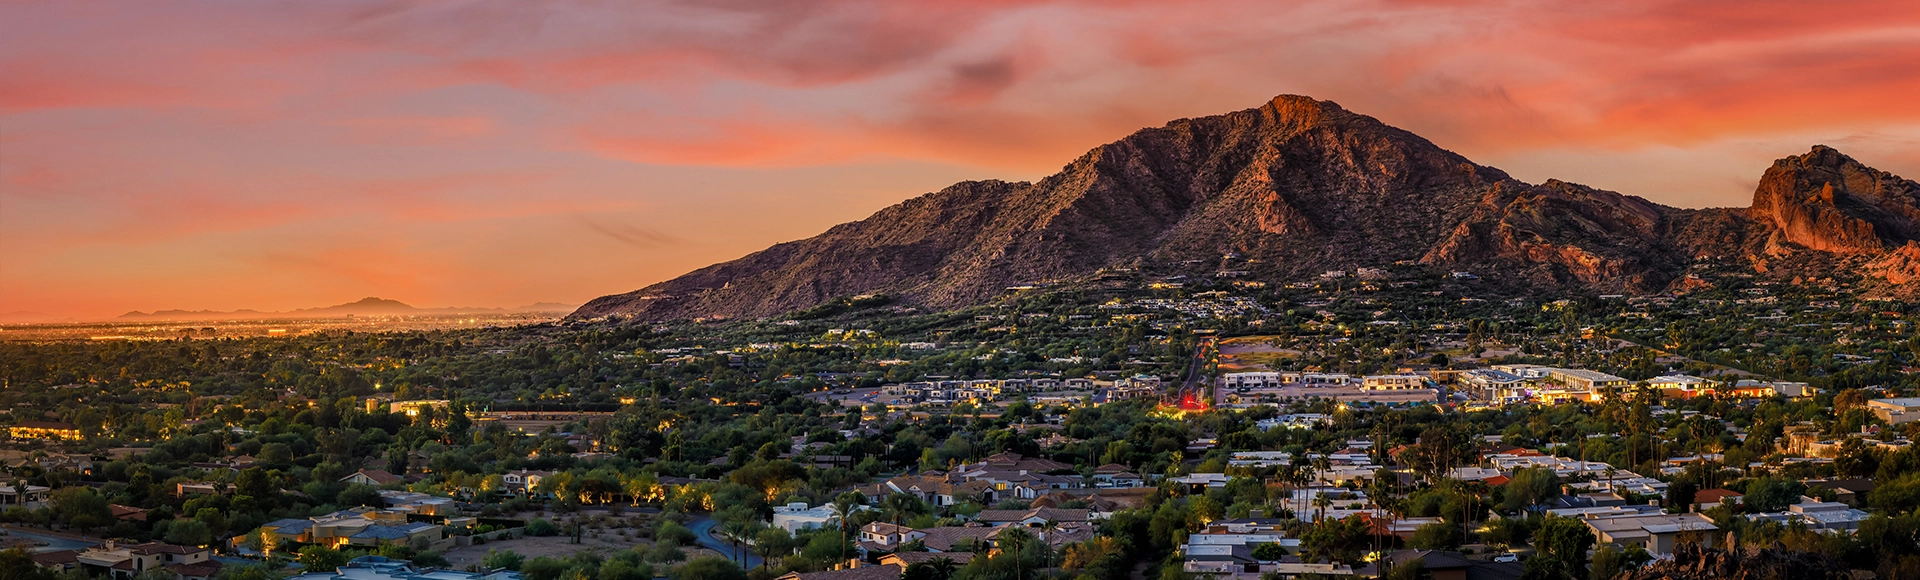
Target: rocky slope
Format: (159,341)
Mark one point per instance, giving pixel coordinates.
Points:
(1291,188)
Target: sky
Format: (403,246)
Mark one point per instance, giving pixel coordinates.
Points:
(276,155)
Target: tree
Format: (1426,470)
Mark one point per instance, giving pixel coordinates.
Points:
(1438,536)
(502,559)
(735,532)
(17,564)
(1530,487)
(544,568)
(1611,560)
(935,569)
(321,558)
(1269,552)
(708,568)
(81,507)
(1338,540)
(1563,545)
(189,533)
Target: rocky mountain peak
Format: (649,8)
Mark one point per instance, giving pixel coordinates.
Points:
(1827,201)
(1293,188)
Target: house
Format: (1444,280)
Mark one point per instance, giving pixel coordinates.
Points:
(1708,498)
(417,503)
(358,527)
(122,562)
(127,513)
(905,559)
(951,538)
(1847,491)
(381,568)
(797,516)
(1439,565)
(885,537)
(523,480)
(51,430)
(1657,533)
(373,477)
(1032,518)
(58,560)
(1114,475)
(1820,516)
(11,495)
(868,572)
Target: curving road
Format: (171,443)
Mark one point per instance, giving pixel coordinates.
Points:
(703,526)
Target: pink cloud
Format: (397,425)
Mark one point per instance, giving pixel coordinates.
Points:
(142,124)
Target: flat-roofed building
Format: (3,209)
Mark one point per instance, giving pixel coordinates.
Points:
(1393,382)
(1683,386)
(1595,381)
(1896,411)
(1659,534)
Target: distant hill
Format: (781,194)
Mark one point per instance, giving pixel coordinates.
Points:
(370,306)
(1294,188)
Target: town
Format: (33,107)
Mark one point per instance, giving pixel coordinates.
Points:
(1394,428)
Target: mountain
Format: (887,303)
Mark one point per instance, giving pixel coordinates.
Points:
(369,306)
(1291,189)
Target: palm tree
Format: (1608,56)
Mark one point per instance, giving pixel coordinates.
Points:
(734,532)
(1321,502)
(842,512)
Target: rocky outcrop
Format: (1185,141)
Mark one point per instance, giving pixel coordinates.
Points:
(1293,187)
(1826,201)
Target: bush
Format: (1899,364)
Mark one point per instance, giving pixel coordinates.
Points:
(542,527)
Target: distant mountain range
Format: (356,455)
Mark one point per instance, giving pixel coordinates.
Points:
(364,307)
(1296,187)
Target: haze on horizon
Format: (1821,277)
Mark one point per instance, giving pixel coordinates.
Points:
(283,155)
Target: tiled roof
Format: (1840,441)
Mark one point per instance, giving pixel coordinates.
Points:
(861,573)
(56,558)
(944,538)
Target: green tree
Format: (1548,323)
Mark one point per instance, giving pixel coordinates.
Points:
(544,568)
(1438,536)
(1269,552)
(708,568)
(1562,544)
(81,507)
(497,559)
(321,558)
(189,533)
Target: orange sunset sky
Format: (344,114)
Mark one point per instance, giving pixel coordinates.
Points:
(276,155)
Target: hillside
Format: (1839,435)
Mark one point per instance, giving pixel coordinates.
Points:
(1293,188)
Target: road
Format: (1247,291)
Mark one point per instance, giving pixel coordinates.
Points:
(702,527)
(53,543)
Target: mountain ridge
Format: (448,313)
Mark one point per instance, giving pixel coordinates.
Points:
(369,306)
(1295,187)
